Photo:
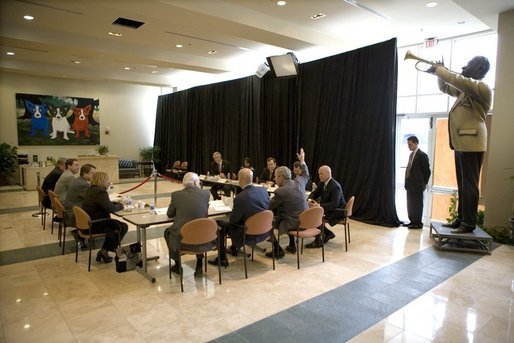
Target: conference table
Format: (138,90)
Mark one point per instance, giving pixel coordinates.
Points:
(234,184)
(142,219)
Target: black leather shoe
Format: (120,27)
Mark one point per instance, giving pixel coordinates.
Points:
(463,229)
(100,257)
(406,224)
(278,254)
(454,225)
(415,226)
(223,262)
(291,249)
(314,244)
(176,269)
(328,236)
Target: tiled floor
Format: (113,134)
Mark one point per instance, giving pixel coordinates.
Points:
(390,277)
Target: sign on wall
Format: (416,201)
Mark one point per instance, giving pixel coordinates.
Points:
(57,120)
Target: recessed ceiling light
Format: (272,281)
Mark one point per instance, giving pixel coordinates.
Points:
(155,71)
(10,53)
(76,62)
(431,4)
(115,34)
(461,22)
(212,52)
(318,16)
(179,45)
(126,68)
(281,3)
(28,17)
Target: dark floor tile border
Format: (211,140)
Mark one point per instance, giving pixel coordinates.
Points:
(344,312)
(53,249)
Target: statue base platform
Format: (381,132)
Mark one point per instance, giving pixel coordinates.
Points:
(477,241)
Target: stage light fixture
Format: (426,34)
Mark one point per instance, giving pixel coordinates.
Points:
(262,70)
(283,65)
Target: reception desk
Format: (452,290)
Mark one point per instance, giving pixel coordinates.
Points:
(107,164)
(104,163)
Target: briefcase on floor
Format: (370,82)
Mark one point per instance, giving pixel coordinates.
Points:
(128,257)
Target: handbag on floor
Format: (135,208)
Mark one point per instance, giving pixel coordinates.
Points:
(128,257)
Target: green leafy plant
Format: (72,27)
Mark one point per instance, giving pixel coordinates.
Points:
(103,149)
(452,209)
(8,159)
(150,153)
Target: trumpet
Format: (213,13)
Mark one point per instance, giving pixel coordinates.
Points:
(410,56)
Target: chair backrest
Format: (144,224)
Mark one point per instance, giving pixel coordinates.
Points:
(57,205)
(184,165)
(52,196)
(312,217)
(259,223)
(349,207)
(82,219)
(199,231)
(40,193)
(176,165)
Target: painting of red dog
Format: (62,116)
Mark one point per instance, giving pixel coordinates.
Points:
(57,120)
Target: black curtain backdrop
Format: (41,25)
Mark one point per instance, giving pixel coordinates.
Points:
(340,109)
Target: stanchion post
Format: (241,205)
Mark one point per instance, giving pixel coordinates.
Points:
(154,174)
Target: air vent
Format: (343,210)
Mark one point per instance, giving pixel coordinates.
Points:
(133,24)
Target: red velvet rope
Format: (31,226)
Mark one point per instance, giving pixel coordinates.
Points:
(136,186)
(168,178)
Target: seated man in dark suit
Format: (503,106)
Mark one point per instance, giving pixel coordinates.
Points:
(190,203)
(329,195)
(219,167)
(52,178)
(249,201)
(287,204)
(268,173)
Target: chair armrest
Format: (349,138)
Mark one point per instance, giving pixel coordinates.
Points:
(343,212)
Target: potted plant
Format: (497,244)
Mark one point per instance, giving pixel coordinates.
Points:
(150,153)
(8,162)
(103,149)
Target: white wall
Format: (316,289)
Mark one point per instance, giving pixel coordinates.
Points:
(128,110)
(499,189)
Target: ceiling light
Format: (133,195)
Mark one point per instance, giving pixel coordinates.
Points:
(115,34)
(431,4)
(281,3)
(318,16)
(461,22)
(155,71)
(126,68)
(28,17)
(179,45)
(212,52)
(10,53)
(76,62)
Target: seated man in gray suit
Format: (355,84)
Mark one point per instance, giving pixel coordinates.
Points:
(287,204)
(190,203)
(249,201)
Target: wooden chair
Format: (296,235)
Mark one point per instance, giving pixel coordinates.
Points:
(53,196)
(84,225)
(311,225)
(198,236)
(258,228)
(346,213)
(61,213)
(42,208)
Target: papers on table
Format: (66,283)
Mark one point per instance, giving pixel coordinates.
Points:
(219,206)
(114,197)
(162,210)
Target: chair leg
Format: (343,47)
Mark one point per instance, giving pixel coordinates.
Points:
(90,248)
(345,237)
(298,252)
(180,271)
(244,253)
(273,248)
(322,242)
(219,259)
(76,251)
(349,240)
(169,265)
(44,218)
(52,227)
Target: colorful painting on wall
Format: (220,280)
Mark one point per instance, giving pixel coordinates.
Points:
(57,120)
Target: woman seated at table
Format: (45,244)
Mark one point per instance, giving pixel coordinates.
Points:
(98,206)
(247,163)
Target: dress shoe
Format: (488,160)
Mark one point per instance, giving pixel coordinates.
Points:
(176,269)
(415,226)
(223,262)
(233,250)
(463,228)
(198,271)
(454,224)
(278,254)
(328,236)
(291,249)
(407,224)
(105,257)
(314,244)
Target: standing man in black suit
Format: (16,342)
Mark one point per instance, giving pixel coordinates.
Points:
(268,173)
(416,179)
(329,195)
(219,167)
(190,203)
(249,201)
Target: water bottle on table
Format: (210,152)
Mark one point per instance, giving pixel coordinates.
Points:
(152,208)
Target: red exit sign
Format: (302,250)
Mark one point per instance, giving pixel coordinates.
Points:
(430,42)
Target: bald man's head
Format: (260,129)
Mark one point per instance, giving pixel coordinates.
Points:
(245,176)
(325,173)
